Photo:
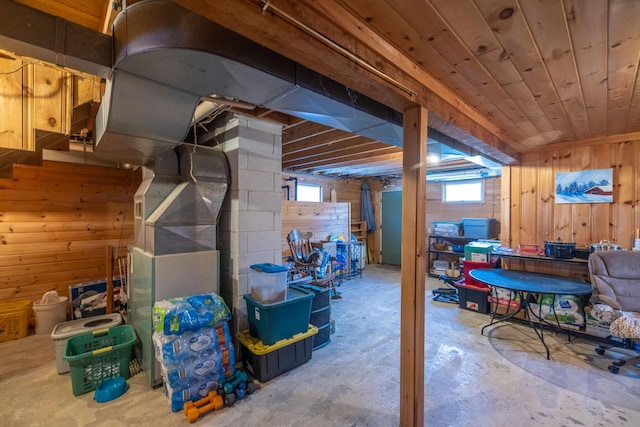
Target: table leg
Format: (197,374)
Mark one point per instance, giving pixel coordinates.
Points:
(494,294)
(524,303)
(539,331)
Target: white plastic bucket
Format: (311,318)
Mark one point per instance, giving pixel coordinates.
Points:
(49,311)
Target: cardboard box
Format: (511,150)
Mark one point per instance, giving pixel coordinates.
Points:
(478,251)
(449,229)
(502,309)
(89,298)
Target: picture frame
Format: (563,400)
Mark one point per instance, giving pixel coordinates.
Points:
(590,186)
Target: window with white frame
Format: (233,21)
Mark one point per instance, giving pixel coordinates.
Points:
(308,193)
(458,192)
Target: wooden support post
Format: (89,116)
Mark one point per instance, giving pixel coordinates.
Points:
(109,279)
(413,267)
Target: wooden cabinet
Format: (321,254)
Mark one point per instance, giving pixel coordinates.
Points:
(359,229)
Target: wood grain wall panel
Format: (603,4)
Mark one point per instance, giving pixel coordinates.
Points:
(53,239)
(546,198)
(562,219)
(625,192)
(439,211)
(322,219)
(601,223)
(579,271)
(505,207)
(583,224)
(528,201)
(581,159)
(516,219)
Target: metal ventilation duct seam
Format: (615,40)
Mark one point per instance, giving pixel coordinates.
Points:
(185,220)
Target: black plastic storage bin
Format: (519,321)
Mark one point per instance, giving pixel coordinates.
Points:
(323,336)
(473,298)
(321,317)
(320,314)
(268,361)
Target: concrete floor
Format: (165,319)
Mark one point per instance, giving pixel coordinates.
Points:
(502,379)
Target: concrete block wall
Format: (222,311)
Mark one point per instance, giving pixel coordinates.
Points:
(250,221)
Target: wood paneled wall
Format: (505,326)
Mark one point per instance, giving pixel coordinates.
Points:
(528,199)
(322,219)
(439,211)
(349,191)
(56,221)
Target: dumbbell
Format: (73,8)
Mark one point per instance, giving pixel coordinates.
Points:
(194,410)
(198,403)
(238,377)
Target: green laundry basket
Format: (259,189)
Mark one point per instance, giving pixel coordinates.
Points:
(97,356)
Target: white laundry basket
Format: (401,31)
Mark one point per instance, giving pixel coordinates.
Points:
(66,330)
(49,311)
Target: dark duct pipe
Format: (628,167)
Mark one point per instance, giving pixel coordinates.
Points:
(295,186)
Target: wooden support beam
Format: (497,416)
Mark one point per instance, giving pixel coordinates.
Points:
(413,267)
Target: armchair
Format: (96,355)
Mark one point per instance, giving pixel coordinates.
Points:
(615,276)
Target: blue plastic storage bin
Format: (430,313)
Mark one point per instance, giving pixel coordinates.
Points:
(280,320)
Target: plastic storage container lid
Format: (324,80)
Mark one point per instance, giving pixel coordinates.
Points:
(259,348)
(269,268)
(75,327)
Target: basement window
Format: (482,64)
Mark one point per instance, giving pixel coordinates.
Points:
(308,193)
(460,192)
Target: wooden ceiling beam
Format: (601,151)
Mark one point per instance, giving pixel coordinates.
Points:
(352,162)
(363,145)
(353,153)
(336,137)
(304,131)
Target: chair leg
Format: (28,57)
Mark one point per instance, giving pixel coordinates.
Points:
(334,290)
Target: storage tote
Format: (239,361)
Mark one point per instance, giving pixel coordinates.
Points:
(277,321)
(98,356)
(268,361)
(14,320)
(268,283)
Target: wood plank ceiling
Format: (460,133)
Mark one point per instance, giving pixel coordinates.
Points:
(503,77)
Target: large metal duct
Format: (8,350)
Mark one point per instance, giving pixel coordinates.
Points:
(185,220)
(167,59)
(159,179)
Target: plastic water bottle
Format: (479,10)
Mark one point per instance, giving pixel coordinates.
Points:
(194,390)
(206,365)
(171,349)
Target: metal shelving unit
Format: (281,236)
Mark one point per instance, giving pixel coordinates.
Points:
(449,255)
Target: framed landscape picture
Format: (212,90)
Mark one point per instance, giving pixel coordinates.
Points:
(592,186)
